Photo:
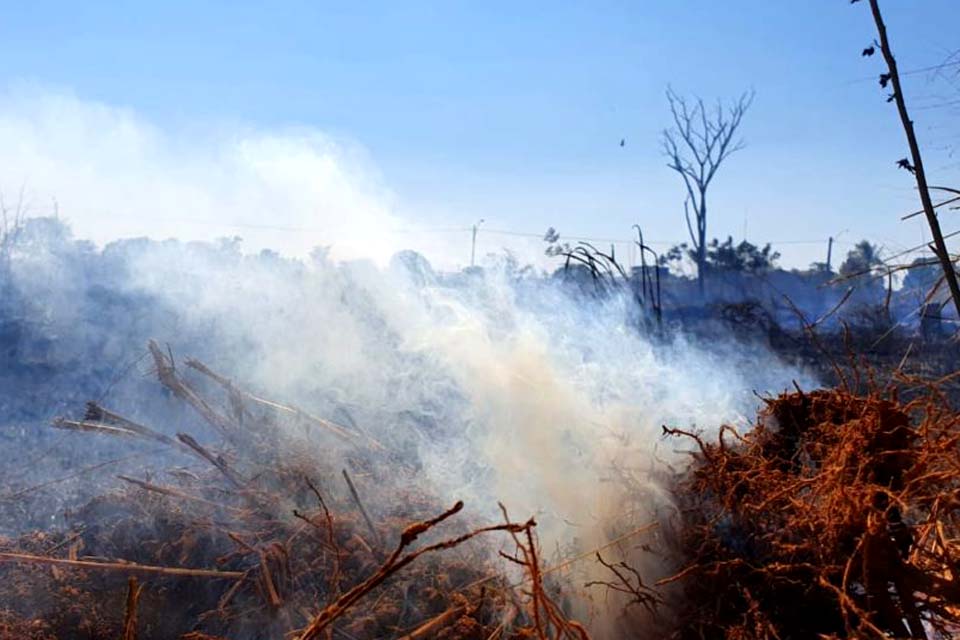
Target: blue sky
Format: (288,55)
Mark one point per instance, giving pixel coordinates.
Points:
(513,112)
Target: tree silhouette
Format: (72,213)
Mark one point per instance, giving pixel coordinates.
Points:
(861,259)
(699,141)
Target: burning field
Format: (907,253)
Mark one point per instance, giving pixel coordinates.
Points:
(393,454)
(243,404)
(836,515)
(257,545)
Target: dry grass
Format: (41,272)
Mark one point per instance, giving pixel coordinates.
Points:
(265,542)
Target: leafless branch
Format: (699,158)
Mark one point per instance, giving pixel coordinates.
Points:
(916,167)
(699,141)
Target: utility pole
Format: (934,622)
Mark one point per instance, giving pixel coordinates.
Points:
(830,243)
(473,243)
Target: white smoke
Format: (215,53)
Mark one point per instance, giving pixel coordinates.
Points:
(502,384)
(112,174)
(506,386)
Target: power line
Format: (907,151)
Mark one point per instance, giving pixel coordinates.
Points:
(911,72)
(526,234)
(504,232)
(942,105)
(920,247)
(936,67)
(657,242)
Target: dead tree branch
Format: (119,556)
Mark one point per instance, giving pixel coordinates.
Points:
(893,75)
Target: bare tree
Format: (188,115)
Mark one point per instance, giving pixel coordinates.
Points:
(699,141)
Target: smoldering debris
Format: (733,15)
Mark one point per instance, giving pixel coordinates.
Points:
(260,540)
(836,516)
(501,384)
(425,388)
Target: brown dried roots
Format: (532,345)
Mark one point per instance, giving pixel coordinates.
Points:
(838,515)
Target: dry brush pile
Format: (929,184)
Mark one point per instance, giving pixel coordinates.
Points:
(262,540)
(836,516)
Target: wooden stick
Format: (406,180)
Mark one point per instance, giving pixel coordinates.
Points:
(169,378)
(356,499)
(93,427)
(212,459)
(332,427)
(130,618)
(271,590)
(121,430)
(436,623)
(101,415)
(131,567)
(175,493)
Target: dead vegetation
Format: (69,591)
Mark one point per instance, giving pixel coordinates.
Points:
(836,516)
(260,540)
